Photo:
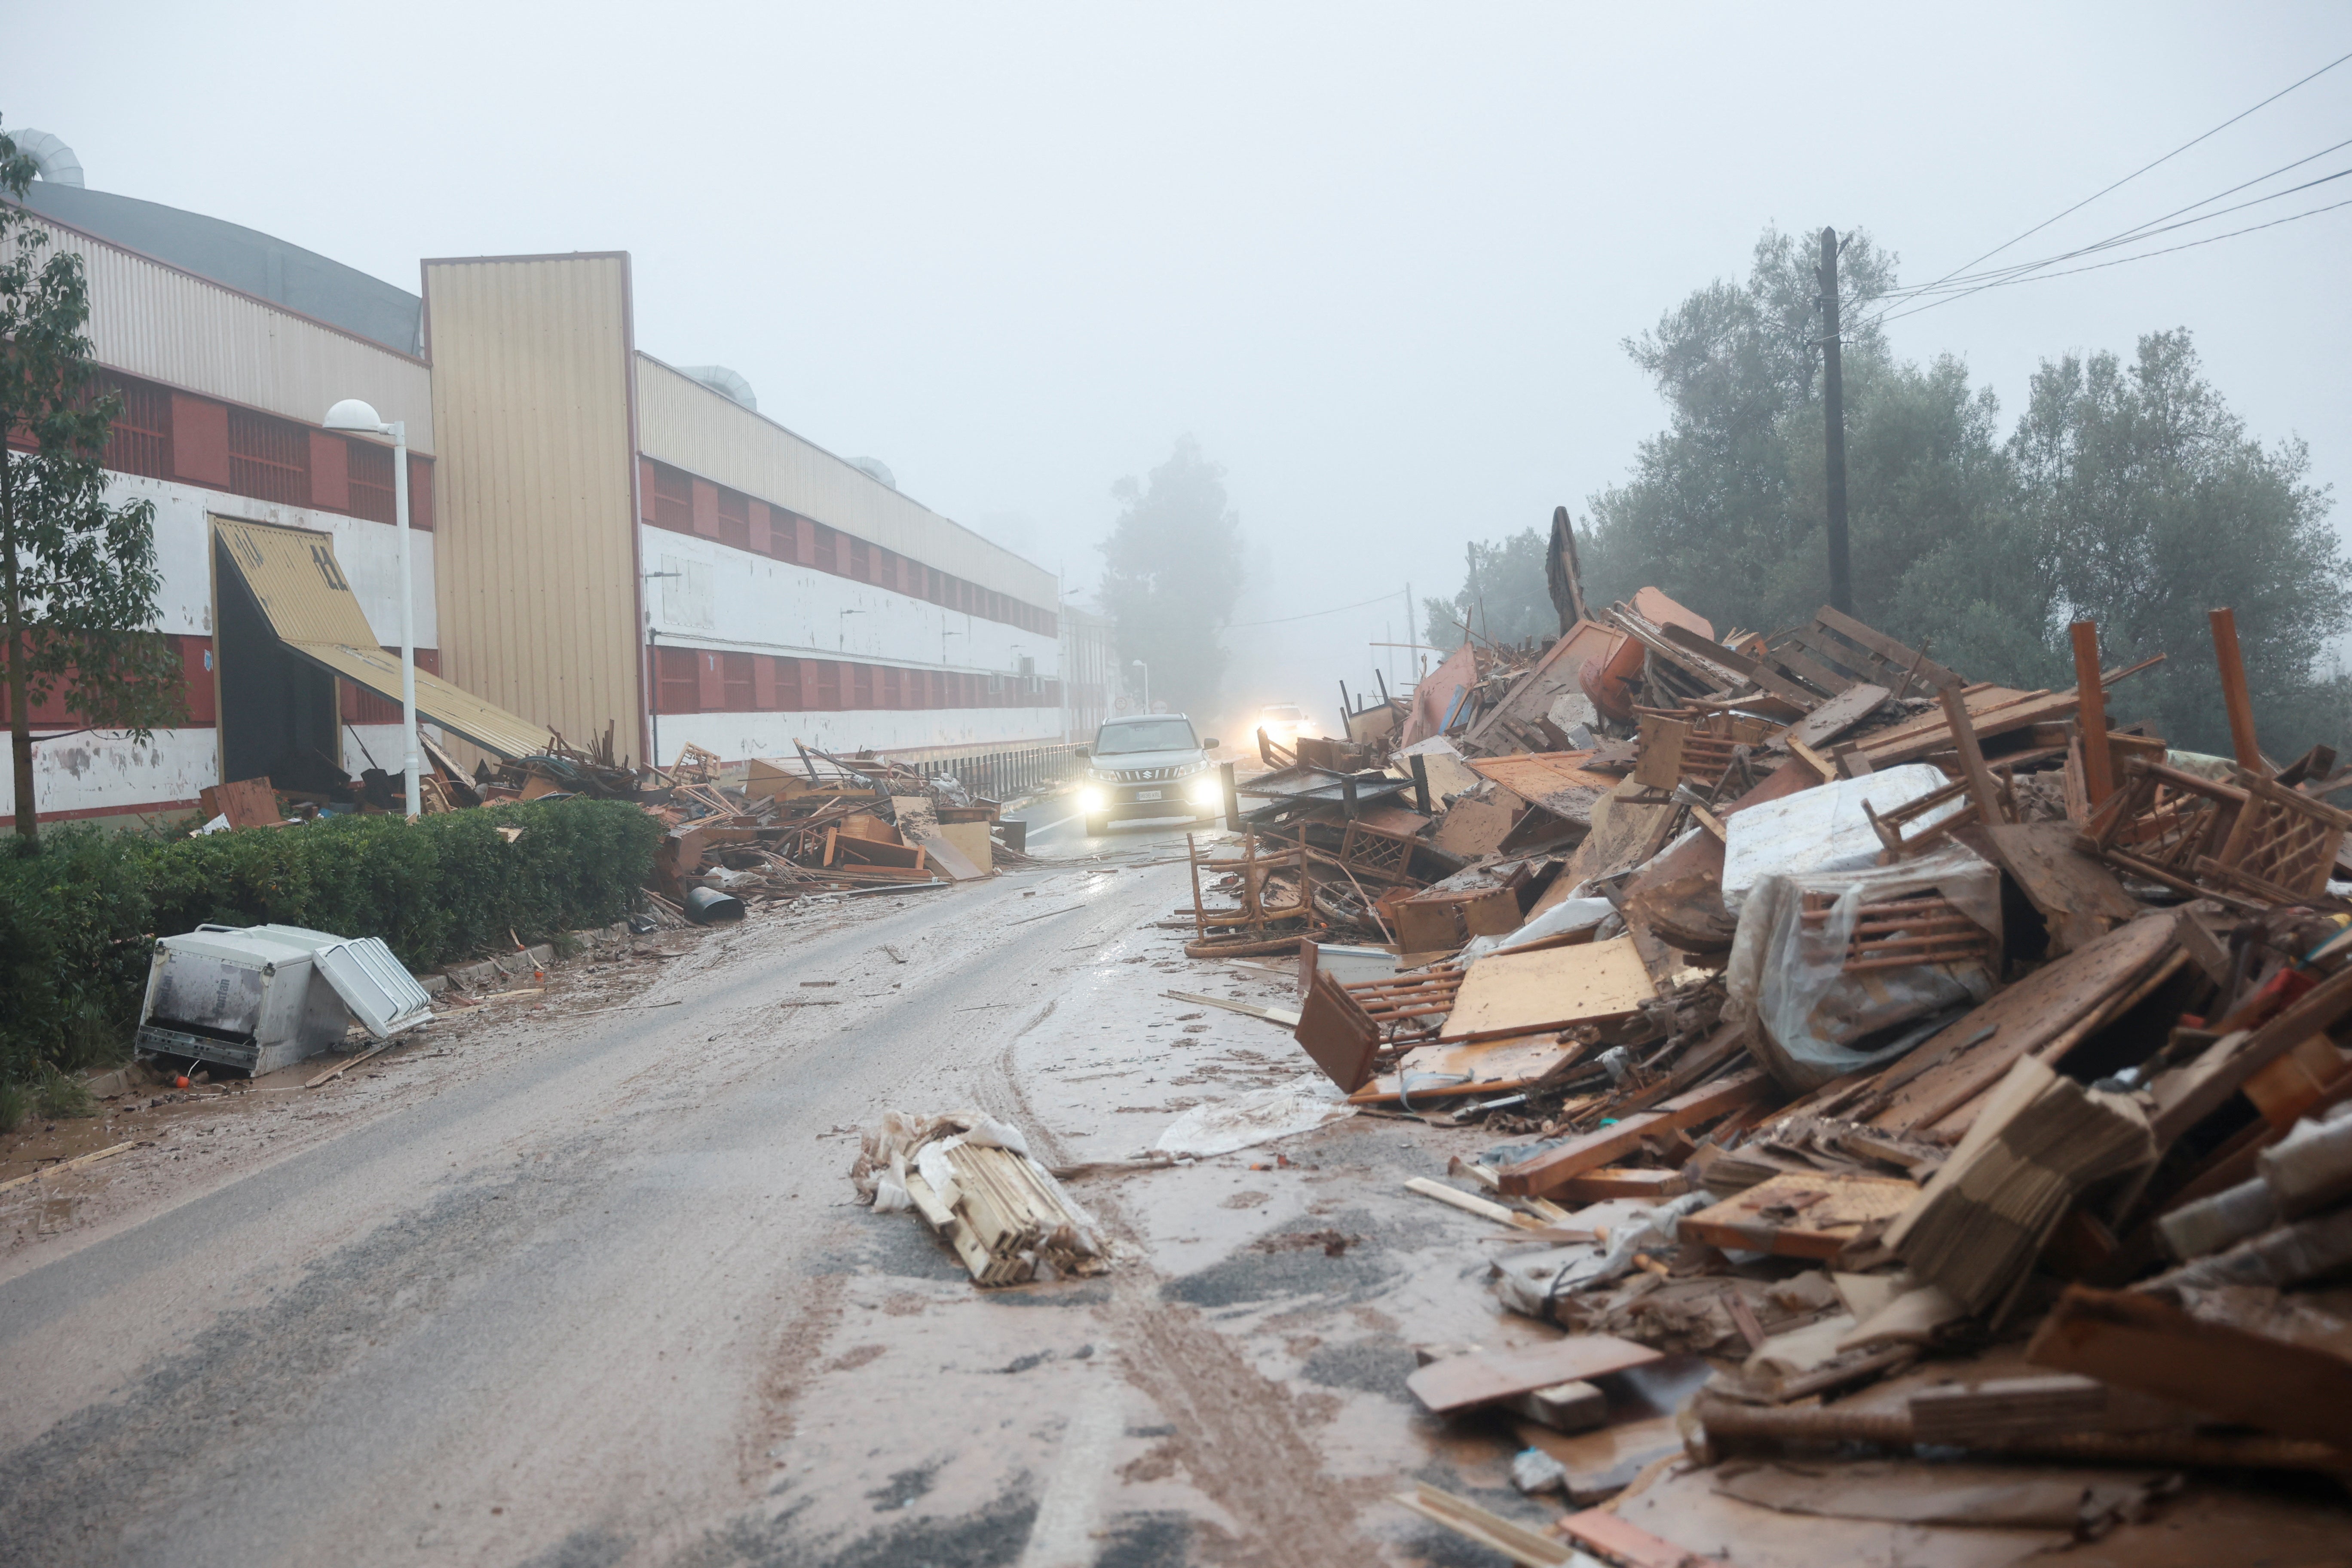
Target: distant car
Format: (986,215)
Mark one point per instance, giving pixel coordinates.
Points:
(1284,722)
(1150,765)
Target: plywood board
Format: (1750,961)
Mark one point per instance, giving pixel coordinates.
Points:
(1801,1214)
(1972,1053)
(973,840)
(1484,1377)
(1443,1072)
(2079,897)
(1474,827)
(941,853)
(1517,992)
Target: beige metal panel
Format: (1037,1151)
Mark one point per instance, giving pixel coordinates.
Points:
(155,322)
(301,587)
(485,724)
(535,538)
(685,424)
(309,603)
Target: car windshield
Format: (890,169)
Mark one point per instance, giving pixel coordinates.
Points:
(1145,735)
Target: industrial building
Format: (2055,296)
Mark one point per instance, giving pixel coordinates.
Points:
(600,542)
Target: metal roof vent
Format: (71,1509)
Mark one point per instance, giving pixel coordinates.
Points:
(52,160)
(874,468)
(723,381)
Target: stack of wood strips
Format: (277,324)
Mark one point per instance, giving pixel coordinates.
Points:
(1005,1215)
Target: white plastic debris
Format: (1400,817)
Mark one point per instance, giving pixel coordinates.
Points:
(1533,1470)
(1823,829)
(1261,1116)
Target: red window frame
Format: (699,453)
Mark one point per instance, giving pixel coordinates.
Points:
(269,457)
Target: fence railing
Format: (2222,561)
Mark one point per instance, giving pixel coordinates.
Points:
(998,775)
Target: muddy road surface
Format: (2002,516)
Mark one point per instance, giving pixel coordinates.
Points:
(588,1287)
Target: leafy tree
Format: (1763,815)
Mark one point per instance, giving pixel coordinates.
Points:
(2126,494)
(2152,506)
(78,576)
(1503,596)
(1173,569)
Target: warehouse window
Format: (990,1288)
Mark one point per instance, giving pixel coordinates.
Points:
(681,681)
(826,698)
(860,559)
(788,686)
(673,500)
(371,480)
(828,550)
(141,439)
(269,459)
(860,695)
(735,675)
(734,519)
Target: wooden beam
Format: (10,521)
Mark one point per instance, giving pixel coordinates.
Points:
(2238,703)
(1551,1171)
(2098,761)
(1982,789)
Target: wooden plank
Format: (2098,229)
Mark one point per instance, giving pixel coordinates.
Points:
(1792,658)
(1622,1182)
(1472,829)
(1801,1214)
(2134,1341)
(1506,1538)
(1830,652)
(1521,993)
(1599,1530)
(1452,1072)
(1337,1034)
(2187,1095)
(1839,714)
(2079,897)
(1286,1016)
(932,845)
(1756,671)
(1471,1203)
(1983,790)
(76,1163)
(2098,761)
(1972,1053)
(2236,700)
(1487,1378)
(1885,646)
(1909,745)
(1546,1173)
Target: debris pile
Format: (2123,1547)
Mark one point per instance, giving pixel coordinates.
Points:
(1907,1061)
(971,1179)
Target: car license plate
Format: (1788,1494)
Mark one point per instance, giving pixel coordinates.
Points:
(1147,794)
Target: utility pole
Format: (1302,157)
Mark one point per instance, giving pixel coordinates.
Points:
(1834,425)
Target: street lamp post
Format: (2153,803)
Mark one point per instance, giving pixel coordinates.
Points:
(360,419)
(1146,684)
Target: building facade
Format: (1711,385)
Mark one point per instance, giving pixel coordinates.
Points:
(600,542)
(222,392)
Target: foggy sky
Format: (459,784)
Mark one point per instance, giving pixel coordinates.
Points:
(1378,260)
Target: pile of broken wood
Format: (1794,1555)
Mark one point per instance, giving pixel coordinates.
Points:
(1881,1058)
(819,823)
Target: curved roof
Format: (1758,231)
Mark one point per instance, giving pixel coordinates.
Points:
(243,258)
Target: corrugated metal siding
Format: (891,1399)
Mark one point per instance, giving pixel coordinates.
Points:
(153,320)
(536,532)
(683,422)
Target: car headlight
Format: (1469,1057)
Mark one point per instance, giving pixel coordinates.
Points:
(1204,792)
(1092,800)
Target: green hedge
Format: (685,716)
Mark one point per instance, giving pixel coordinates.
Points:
(77,916)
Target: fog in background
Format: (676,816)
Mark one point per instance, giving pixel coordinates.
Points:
(1378,260)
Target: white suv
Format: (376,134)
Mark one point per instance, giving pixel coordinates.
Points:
(1147,766)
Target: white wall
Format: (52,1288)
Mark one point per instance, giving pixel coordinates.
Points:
(736,736)
(85,773)
(736,600)
(368,551)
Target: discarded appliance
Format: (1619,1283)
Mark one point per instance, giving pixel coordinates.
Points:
(258,997)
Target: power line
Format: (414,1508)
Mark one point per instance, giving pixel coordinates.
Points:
(2143,256)
(2138,231)
(2144,168)
(1977,282)
(1311,615)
